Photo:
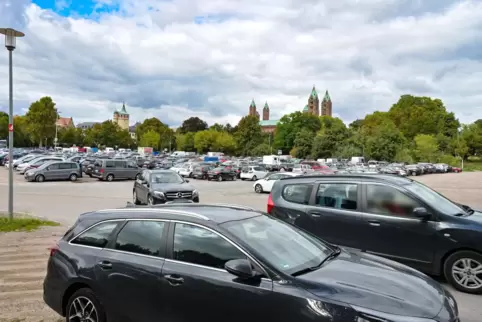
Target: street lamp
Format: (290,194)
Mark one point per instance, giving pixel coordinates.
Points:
(10,43)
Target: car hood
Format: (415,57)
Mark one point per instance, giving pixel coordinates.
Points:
(375,283)
(475,217)
(163,187)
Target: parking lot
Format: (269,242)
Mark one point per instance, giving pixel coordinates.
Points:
(64,201)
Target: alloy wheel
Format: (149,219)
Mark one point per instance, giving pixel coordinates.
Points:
(220,178)
(467,273)
(150,200)
(82,310)
(258,188)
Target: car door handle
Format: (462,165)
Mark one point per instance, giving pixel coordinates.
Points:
(174,280)
(105,265)
(375,223)
(315,214)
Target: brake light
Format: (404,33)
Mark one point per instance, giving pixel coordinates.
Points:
(101,170)
(270,203)
(53,249)
(217,172)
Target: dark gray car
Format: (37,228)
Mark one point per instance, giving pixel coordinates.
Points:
(110,170)
(57,170)
(161,186)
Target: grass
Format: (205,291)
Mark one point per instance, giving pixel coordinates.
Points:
(473,164)
(22,223)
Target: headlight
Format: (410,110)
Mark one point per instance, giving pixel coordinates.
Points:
(195,193)
(367,315)
(158,194)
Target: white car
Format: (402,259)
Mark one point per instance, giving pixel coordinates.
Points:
(36,162)
(266,184)
(177,167)
(253,173)
(23,159)
(301,168)
(186,170)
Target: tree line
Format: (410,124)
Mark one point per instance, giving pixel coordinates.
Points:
(413,129)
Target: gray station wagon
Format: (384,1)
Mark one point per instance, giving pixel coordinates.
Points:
(57,170)
(110,170)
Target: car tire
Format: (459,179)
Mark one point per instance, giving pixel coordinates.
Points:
(40,178)
(204,177)
(110,177)
(220,178)
(414,173)
(73,177)
(234,178)
(135,199)
(254,178)
(258,188)
(87,299)
(459,271)
(150,200)
(138,176)
(89,175)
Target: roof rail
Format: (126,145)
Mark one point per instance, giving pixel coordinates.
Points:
(132,208)
(242,207)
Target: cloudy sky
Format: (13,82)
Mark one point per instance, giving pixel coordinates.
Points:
(174,59)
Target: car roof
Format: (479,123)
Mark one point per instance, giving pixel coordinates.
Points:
(395,179)
(193,212)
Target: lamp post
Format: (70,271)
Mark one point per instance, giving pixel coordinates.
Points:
(10,43)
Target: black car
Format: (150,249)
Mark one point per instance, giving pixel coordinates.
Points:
(160,186)
(222,173)
(194,262)
(390,216)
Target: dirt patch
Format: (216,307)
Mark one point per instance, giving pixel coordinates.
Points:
(23,258)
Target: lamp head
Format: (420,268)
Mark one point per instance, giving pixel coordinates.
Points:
(10,37)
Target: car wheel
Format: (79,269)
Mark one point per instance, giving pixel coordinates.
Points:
(89,175)
(110,177)
(254,178)
(258,188)
(220,178)
(73,177)
(463,270)
(138,176)
(150,200)
(204,177)
(135,199)
(234,178)
(414,173)
(84,305)
(40,178)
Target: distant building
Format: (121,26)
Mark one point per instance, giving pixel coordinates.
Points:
(313,105)
(121,118)
(267,125)
(65,122)
(86,125)
(132,130)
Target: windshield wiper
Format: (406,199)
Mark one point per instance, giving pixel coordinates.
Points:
(332,255)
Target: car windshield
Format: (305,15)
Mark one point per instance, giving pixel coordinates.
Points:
(218,169)
(434,199)
(284,246)
(166,177)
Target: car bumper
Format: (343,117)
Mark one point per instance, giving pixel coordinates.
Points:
(245,175)
(158,200)
(29,177)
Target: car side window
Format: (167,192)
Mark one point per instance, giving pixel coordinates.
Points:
(131,164)
(337,195)
(65,166)
(53,166)
(386,200)
(120,164)
(298,193)
(97,236)
(141,237)
(109,164)
(275,177)
(197,245)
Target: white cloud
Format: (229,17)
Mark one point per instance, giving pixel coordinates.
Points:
(153,55)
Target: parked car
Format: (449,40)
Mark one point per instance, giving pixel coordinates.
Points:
(161,186)
(35,163)
(201,171)
(56,170)
(414,169)
(266,184)
(186,170)
(390,216)
(302,168)
(253,173)
(193,262)
(221,173)
(110,170)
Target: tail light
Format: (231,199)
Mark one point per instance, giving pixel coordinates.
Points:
(53,249)
(270,203)
(33,166)
(101,170)
(217,173)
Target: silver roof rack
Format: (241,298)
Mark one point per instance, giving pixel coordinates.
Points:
(154,210)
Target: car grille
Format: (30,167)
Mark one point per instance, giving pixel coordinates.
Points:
(175,195)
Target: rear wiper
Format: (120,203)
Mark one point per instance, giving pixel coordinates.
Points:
(332,255)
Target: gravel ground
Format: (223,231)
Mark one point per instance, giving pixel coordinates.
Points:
(23,255)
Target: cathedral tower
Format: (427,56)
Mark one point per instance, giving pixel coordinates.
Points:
(326,107)
(266,112)
(314,103)
(252,108)
(122,118)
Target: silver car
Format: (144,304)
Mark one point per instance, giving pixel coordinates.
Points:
(57,170)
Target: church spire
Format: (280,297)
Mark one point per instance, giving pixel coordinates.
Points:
(327,98)
(123,110)
(313,92)
(266,107)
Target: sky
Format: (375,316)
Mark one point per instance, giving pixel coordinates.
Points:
(174,59)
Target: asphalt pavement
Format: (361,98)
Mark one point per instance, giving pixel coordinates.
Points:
(64,201)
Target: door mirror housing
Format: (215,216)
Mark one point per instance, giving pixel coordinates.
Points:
(240,267)
(421,212)
(186,180)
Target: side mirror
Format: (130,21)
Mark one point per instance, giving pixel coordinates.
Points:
(48,168)
(422,213)
(187,180)
(240,267)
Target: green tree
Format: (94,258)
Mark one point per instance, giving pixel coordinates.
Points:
(193,124)
(217,127)
(21,137)
(472,136)
(41,118)
(215,141)
(185,142)
(3,125)
(248,134)
(290,125)
(150,138)
(332,135)
(426,148)
(403,155)
(303,143)
(69,136)
(261,149)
